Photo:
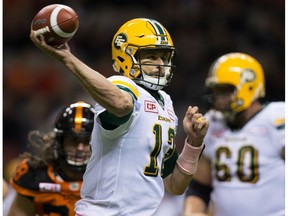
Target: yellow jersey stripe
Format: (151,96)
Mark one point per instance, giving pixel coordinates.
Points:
(279,121)
(127,85)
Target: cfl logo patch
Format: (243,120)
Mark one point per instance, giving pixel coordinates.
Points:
(119,40)
(150,106)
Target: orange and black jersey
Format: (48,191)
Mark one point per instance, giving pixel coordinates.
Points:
(51,195)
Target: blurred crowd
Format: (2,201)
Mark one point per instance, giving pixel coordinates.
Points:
(34,86)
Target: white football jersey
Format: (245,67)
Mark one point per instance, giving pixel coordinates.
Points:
(123,176)
(247,169)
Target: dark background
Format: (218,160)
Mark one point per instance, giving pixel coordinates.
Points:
(35,86)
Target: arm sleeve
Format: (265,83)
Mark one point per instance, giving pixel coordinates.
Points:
(169,164)
(200,190)
(110,121)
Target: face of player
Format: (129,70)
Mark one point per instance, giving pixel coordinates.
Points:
(77,150)
(222,97)
(153,62)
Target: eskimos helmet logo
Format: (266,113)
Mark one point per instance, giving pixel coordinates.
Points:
(119,40)
(247,75)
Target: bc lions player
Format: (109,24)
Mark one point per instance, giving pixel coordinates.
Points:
(49,179)
(243,163)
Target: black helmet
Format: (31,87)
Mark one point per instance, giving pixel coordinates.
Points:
(75,123)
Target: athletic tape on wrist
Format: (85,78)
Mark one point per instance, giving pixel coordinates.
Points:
(188,159)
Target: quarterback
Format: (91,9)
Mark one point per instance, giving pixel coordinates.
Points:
(134,158)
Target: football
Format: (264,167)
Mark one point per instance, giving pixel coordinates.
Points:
(57,23)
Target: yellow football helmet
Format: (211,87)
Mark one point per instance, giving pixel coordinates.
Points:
(241,71)
(138,35)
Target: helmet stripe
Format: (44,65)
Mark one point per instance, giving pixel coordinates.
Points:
(78,117)
(159,30)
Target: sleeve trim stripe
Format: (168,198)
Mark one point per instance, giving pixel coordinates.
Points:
(279,122)
(127,86)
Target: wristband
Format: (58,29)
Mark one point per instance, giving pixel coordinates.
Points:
(189,157)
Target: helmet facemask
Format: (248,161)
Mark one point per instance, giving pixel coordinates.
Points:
(221,98)
(157,81)
(68,151)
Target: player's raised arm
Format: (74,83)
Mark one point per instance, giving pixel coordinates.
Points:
(118,102)
(51,39)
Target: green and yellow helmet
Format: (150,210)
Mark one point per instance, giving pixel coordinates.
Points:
(135,36)
(243,72)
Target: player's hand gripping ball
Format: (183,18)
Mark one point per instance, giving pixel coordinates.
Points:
(57,23)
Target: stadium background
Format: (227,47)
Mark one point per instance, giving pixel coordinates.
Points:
(36,86)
